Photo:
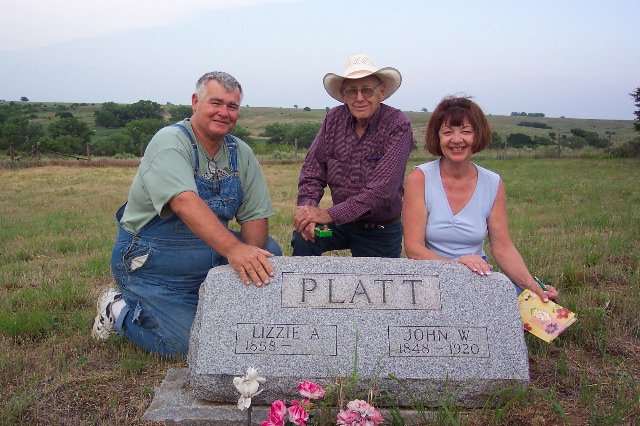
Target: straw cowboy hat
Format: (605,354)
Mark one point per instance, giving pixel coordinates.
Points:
(360,65)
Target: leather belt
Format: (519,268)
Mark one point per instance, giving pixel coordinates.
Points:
(367,224)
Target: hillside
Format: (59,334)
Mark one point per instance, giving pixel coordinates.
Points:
(255,119)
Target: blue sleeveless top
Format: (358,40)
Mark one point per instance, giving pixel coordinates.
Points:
(450,235)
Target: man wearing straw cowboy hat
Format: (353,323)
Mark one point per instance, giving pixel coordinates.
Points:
(360,153)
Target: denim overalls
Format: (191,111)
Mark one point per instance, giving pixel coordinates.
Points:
(159,269)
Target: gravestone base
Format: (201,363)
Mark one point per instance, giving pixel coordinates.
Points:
(175,404)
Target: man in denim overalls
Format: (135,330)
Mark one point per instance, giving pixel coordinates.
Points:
(193,179)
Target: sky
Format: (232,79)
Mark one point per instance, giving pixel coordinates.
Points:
(572,58)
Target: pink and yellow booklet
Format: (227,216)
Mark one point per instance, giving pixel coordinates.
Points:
(544,320)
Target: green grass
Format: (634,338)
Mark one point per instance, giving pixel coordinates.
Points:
(575,220)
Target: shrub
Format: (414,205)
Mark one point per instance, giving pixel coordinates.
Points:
(301,134)
(518,140)
(591,138)
(534,124)
(282,155)
(628,150)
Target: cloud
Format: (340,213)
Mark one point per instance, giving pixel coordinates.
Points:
(29,24)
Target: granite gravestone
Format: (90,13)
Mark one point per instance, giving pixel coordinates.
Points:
(442,330)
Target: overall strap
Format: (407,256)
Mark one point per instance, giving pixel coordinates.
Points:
(193,145)
(233,153)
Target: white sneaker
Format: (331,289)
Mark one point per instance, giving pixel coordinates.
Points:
(104,324)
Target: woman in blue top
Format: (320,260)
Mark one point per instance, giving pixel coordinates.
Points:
(450,204)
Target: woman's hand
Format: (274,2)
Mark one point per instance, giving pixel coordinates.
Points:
(550,293)
(476,263)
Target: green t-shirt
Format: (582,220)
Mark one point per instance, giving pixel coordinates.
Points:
(166,170)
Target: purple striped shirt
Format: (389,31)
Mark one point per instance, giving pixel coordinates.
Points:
(365,175)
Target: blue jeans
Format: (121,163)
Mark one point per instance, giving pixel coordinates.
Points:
(161,295)
(383,242)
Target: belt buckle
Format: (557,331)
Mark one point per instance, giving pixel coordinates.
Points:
(373,226)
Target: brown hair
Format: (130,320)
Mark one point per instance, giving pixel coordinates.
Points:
(453,111)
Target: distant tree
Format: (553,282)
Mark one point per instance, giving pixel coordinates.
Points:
(179,112)
(276,132)
(24,99)
(111,115)
(295,106)
(70,127)
(573,141)
(15,127)
(302,134)
(145,110)
(306,109)
(590,138)
(534,124)
(242,133)
(424,110)
(68,136)
(519,140)
(60,108)
(116,143)
(14,131)
(289,134)
(496,139)
(141,132)
(6,111)
(636,97)
(525,114)
(64,144)
(542,140)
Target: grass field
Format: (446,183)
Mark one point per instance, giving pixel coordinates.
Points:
(576,222)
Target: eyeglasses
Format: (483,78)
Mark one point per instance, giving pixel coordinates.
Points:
(352,93)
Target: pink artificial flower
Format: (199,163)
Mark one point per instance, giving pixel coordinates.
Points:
(297,414)
(367,411)
(348,418)
(277,414)
(310,390)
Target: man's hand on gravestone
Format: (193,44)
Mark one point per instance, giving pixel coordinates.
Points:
(251,264)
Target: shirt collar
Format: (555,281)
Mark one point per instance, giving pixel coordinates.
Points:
(373,121)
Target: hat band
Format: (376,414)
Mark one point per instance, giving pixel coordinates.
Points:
(359,74)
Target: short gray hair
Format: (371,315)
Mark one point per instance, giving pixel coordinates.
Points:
(226,80)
